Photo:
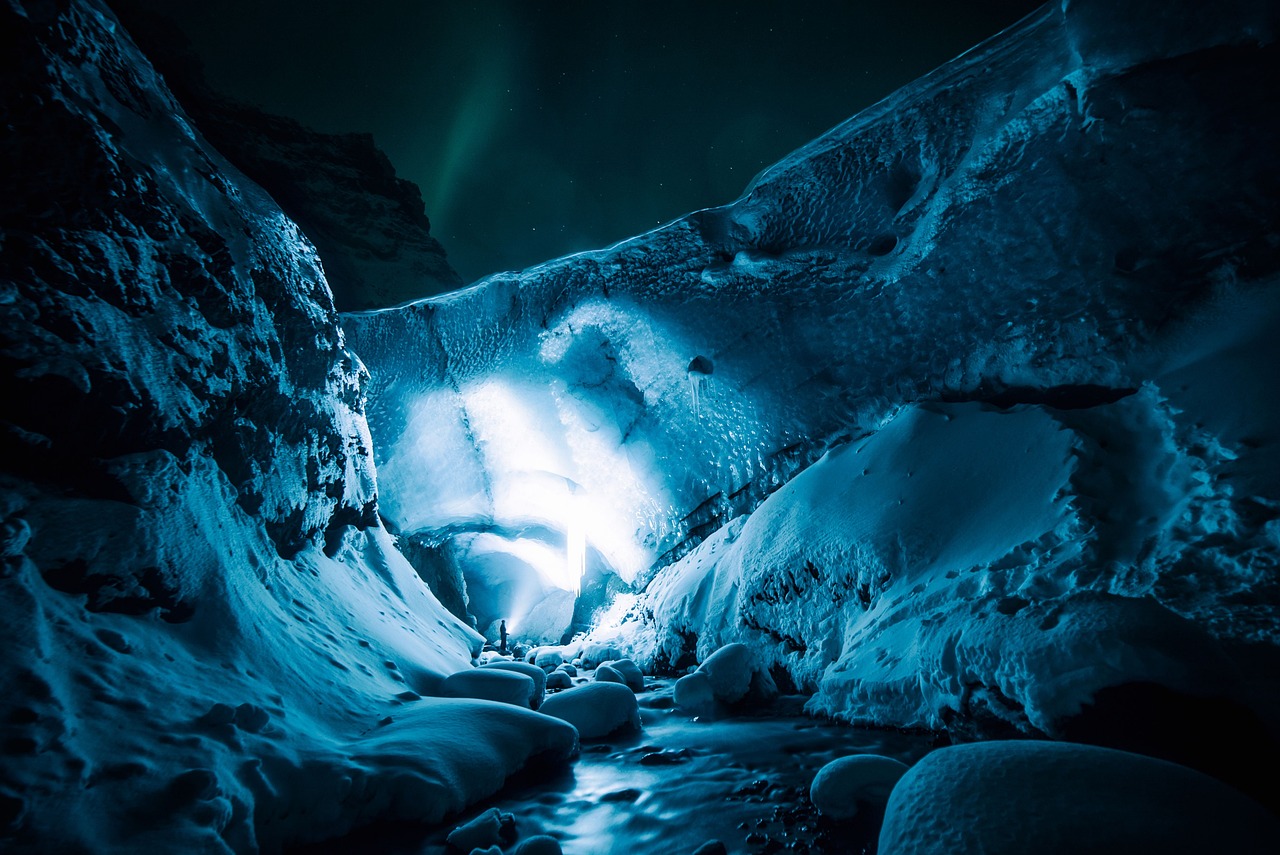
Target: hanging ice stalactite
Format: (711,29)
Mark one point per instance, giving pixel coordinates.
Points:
(699,371)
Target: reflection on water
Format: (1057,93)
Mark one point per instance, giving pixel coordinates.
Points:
(680,783)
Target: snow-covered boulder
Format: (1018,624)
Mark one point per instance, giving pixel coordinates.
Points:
(628,671)
(694,695)
(538,844)
(491,684)
(1009,798)
(546,658)
(596,653)
(557,680)
(608,674)
(491,828)
(595,709)
(734,675)
(533,672)
(729,672)
(844,783)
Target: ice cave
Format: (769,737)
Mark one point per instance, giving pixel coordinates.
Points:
(924,498)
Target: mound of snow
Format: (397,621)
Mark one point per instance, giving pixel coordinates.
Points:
(694,695)
(628,671)
(533,672)
(491,684)
(595,709)
(729,671)
(606,674)
(843,783)
(1009,798)
(729,676)
(546,657)
(596,653)
(559,680)
(539,844)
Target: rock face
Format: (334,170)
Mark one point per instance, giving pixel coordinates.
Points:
(1023,311)
(207,641)
(369,226)
(158,305)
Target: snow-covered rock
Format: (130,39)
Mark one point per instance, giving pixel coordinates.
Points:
(539,844)
(729,676)
(595,709)
(1002,798)
(490,828)
(729,671)
(559,680)
(628,671)
(606,674)
(490,684)
(534,673)
(595,653)
(694,695)
(547,658)
(844,783)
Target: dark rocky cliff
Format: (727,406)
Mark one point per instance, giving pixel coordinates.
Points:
(369,226)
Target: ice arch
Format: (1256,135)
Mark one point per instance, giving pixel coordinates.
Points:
(585,444)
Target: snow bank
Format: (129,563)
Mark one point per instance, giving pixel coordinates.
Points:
(596,709)
(210,644)
(1016,797)
(958,564)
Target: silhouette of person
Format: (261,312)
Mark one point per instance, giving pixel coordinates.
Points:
(502,635)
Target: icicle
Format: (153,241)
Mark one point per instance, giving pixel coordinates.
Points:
(699,371)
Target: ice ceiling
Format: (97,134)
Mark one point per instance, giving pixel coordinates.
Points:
(1003,230)
(562,461)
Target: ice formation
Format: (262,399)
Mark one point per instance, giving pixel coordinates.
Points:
(964,416)
(209,642)
(1020,318)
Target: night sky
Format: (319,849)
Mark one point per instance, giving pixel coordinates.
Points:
(537,129)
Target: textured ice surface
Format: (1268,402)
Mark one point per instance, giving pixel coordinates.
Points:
(207,641)
(1020,317)
(1033,295)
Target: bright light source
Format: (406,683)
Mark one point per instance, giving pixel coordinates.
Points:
(576,542)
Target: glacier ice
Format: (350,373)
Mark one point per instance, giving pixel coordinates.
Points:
(962,417)
(1025,368)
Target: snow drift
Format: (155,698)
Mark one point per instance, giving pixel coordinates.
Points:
(209,642)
